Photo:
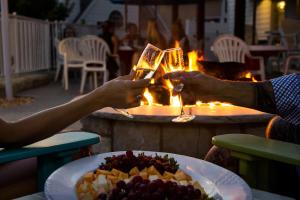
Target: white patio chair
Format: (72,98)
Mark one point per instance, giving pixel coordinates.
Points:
(229,48)
(94,51)
(69,48)
(287,63)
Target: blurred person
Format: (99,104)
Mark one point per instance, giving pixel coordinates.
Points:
(279,96)
(108,35)
(178,35)
(69,31)
(132,37)
(48,122)
(154,36)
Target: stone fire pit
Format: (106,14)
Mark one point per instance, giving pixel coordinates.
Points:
(152,129)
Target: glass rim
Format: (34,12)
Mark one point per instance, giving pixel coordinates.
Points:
(155,47)
(173,49)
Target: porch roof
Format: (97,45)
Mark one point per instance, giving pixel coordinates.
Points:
(155,2)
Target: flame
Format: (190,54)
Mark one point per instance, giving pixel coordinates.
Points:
(193,57)
(253,79)
(175,101)
(248,75)
(148,96)
(152,81)
(177,44)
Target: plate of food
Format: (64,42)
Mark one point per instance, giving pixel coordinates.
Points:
(144,175)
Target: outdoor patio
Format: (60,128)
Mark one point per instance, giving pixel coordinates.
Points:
(210,109)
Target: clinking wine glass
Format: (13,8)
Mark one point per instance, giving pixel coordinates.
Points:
(173,61)
(146,68)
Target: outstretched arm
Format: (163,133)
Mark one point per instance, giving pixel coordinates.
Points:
(280,95)
(119,93)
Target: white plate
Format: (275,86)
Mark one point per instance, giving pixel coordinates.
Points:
(215,180)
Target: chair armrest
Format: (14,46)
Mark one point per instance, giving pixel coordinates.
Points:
(260,147)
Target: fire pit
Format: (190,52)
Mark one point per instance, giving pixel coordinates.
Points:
(152,129)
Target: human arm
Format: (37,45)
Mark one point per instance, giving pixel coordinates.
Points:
(280,96)
(118,93)
(198,86)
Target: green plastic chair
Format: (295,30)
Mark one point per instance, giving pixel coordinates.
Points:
(254,154)
(51,153)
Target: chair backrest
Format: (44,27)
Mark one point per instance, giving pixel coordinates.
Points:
(71,48)
(94,49)
(229,48)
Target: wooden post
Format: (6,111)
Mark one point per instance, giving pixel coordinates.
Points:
(239,18)
(201,23)
(16,43)
(254,22)
(5,50)
(174,12)
(126,14)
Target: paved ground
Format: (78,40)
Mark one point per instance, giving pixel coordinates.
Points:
(44,97)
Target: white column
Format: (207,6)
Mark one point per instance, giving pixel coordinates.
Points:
(5,49)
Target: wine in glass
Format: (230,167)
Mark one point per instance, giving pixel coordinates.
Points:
(148,62)
(146,67)
(173,61)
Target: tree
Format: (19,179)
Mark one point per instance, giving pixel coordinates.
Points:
(41,9)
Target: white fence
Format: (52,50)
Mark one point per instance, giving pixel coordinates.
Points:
(29,44)
(32,42)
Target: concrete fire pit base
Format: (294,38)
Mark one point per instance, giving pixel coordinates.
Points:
(151,128)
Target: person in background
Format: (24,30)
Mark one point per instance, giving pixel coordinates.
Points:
(132,37)
(154,36)
(178,35)
(108,35)
(48,122)
(279,96)
(69,32)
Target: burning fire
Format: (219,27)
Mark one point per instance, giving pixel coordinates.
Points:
(148,96)
(248,75)
(193,57)
(175,101)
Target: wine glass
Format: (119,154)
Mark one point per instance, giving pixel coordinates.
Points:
(173,61)
(148,62)
(145,68)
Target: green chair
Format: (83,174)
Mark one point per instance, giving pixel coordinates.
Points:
(254,154)
(51,153)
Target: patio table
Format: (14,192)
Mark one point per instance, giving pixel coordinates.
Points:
(51,153)
(266,50)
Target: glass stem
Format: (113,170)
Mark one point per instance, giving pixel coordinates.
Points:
(181,105)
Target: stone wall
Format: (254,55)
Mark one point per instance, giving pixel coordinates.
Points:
(192,139)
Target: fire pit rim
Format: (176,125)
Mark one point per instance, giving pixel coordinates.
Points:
(217,119)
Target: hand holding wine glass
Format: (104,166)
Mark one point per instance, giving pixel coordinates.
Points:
(173,61)
(145,68)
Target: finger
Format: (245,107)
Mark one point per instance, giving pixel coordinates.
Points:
(139,83)
(126,77)
(134,104)
(137,92)
(181,75)
(132,72)
(174,75)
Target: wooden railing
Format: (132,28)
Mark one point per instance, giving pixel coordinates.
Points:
(29,45)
